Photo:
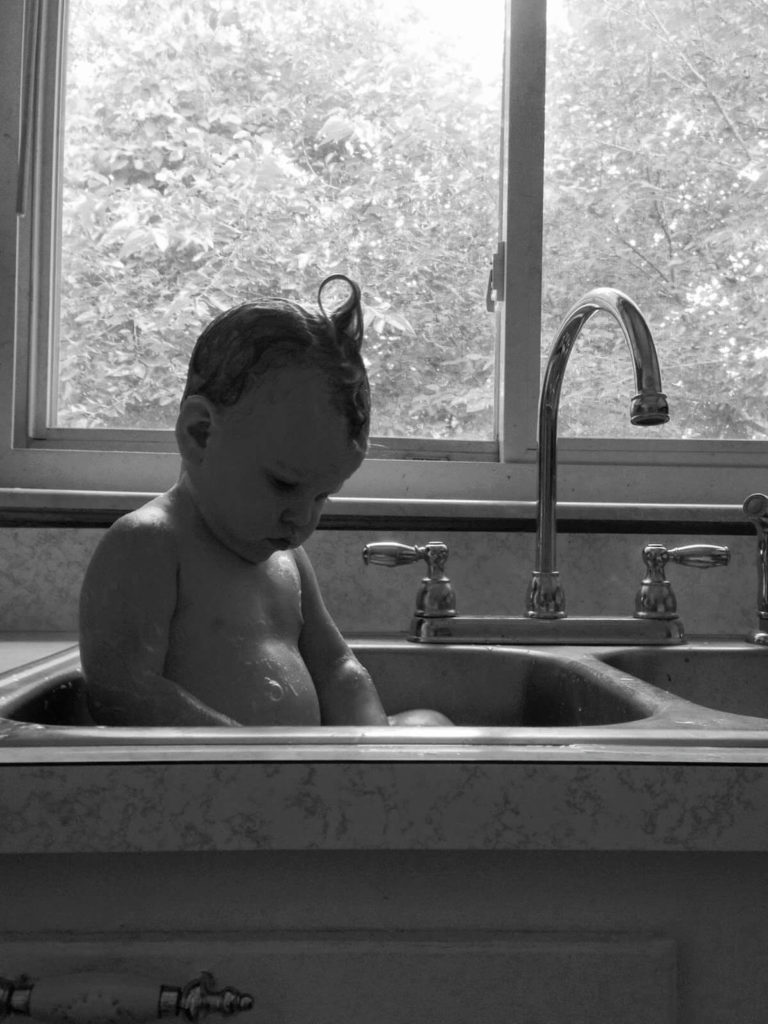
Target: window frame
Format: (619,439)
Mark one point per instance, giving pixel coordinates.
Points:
(634,471)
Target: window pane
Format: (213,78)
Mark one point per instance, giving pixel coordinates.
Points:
(656,182)
(216,150)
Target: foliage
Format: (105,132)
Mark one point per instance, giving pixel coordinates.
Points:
(218,149)
(658,184)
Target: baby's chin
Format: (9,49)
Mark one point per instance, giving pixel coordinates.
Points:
(281,543)
(266,548)
(254,552)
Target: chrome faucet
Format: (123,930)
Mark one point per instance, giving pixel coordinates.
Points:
(546,599)
(655,620)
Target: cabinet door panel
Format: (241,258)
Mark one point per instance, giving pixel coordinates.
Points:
(352,978)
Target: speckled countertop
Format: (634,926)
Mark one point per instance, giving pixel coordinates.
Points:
(220,798)
(18,649)
(395,806)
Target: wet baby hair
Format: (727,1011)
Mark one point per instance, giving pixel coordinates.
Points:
(248,340)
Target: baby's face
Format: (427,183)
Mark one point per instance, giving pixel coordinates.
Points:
(270,462)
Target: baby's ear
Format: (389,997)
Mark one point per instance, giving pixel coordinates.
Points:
(193,427)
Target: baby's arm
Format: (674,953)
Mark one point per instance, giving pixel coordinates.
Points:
(126,605)
(345,690)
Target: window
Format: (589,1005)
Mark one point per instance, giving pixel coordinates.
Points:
(656,172)
(177,161)
(215,151)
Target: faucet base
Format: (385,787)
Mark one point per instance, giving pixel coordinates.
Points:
(490,629)
(546,599)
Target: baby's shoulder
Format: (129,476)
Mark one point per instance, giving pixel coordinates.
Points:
(158,515)
(157,518)
(148,533)
(133,570)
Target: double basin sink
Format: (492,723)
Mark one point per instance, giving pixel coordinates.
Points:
(704,691)
(705,684)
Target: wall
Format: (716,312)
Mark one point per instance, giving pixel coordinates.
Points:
(42,569)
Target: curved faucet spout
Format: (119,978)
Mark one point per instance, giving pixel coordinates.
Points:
(546,599)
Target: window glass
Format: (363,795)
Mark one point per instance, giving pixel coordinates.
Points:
(218,150)
(656,182)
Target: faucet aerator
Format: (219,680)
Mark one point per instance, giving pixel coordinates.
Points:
(649,409)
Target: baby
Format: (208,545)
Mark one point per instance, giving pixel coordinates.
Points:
(201,607)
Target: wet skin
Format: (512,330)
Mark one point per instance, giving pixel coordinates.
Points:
(201,607)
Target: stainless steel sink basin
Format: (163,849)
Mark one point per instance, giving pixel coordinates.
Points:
(564,702)
(726,677)
(473,686)
(500,686)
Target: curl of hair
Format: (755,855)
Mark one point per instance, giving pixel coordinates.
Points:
(245,342)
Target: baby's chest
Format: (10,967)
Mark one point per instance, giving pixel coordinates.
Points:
(264,599)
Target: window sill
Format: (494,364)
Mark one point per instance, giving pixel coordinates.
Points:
(25,507)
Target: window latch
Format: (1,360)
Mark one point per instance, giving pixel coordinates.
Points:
(495,291)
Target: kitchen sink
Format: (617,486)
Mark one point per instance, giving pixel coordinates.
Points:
(503,700)
(726,677)
(473,686)
(500,686)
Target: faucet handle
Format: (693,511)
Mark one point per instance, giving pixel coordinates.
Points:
(436,598)
(699,556)
(655,599)
(390,553)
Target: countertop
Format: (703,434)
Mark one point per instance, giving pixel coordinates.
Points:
(17,649)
